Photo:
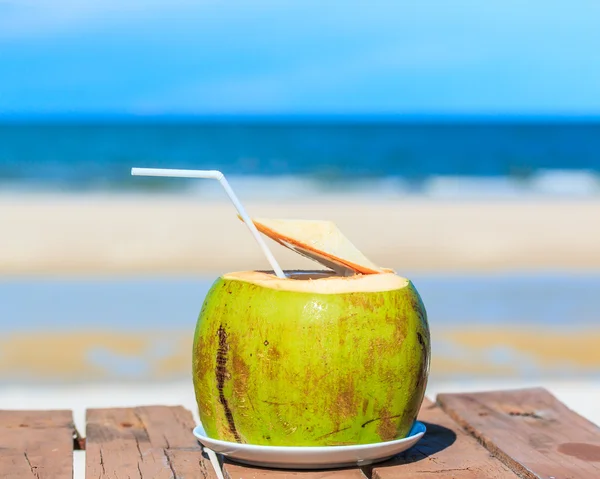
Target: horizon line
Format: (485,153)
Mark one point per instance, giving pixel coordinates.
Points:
(294,117)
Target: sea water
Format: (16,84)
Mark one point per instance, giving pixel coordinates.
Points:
(375,157)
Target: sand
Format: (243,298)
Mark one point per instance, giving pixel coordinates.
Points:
(120,234)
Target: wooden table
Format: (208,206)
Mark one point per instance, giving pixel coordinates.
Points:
(524,433)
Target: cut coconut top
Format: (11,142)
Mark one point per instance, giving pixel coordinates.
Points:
(320,241)
(317,282)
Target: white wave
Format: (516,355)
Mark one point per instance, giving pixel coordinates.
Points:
(295,187)
(566,183)
(544,183)
(473,187)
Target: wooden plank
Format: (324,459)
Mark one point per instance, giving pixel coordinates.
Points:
(445,451)
(531,431)
(144,442)
(36,444)
(237,471)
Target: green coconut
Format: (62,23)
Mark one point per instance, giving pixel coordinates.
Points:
(313,359)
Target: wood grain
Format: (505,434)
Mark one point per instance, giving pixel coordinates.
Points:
(36,444)
(530,431)
(445,451)
(144,442)
(237,471)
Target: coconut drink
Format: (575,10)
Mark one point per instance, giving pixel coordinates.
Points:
(337,356)
(308,358)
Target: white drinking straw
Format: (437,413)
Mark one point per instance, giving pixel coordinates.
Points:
(220,177)
(214,460)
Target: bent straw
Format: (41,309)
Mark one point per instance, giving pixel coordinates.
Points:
(220,177)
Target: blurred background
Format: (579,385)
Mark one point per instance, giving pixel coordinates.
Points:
(456,142)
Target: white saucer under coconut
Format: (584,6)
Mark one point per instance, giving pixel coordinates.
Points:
(325,457)
(323,242)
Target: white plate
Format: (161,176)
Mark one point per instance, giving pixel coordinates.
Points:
(288,457)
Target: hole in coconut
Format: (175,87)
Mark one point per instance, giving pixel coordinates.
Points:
(306,275)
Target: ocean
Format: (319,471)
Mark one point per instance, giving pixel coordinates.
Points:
(295,157)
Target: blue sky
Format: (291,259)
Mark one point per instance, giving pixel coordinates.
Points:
(311,57)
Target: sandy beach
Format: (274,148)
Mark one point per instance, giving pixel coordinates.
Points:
(120,234)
